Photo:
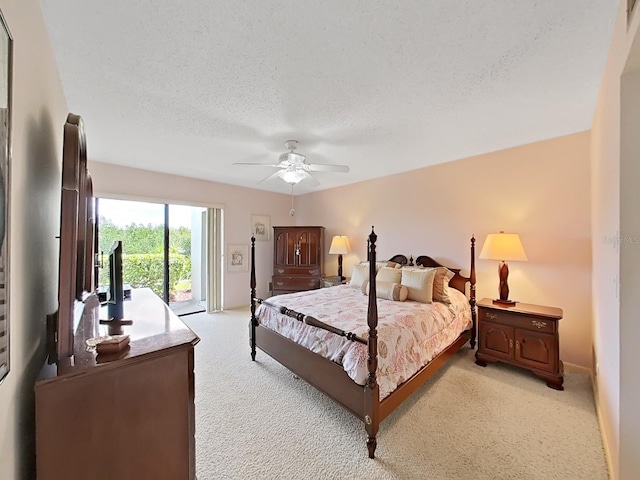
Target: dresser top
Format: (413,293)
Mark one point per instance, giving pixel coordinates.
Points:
(525,308)
(154,328)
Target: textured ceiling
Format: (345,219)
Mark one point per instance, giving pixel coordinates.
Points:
(190,87)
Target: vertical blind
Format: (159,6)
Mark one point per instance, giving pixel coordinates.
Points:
(214,259)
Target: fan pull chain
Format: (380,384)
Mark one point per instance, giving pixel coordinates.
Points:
(292,212)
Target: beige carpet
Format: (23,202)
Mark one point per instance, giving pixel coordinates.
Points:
(255,420)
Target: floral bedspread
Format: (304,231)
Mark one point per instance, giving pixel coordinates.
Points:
(410,333)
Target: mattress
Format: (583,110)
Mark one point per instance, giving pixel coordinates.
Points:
(410,334)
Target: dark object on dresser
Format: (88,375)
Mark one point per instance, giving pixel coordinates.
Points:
(103,292)
(524,335)
(297,258)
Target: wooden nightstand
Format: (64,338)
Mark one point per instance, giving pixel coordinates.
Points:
(332,281)
(524,335)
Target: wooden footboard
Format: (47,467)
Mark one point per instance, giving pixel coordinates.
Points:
(325,375)
(363,401)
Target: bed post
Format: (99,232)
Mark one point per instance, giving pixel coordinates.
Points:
(371,390)
(253,323)
(472,293)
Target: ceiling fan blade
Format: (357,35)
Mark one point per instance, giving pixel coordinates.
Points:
(269,177)
(317,167)
(310,180)
(257,164)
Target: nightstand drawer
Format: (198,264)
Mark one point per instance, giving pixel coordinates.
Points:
(326,282)
(540,324)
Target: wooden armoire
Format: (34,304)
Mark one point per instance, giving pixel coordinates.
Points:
(297,259)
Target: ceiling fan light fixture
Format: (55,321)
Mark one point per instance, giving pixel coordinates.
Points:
(292,176)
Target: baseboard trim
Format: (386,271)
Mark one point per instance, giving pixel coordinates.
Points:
(573,368)
(605,444)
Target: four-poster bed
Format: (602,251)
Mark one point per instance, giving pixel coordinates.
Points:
(363,398)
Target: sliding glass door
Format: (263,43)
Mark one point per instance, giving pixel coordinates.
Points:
(165,248)
(187,259)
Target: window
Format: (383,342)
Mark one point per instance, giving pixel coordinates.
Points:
(171,249)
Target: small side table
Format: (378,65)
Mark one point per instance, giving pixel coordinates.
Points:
(326,282)
(524,335)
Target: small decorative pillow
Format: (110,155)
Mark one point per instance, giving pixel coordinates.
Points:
(441,285)
(390,291)
(389,274)
(419,282)
(359,275)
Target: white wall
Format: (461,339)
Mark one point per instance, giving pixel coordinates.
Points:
(540,191)
(614,179)
(39,112)
(629,273)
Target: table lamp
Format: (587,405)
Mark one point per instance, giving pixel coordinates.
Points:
(502,247)
(340,246)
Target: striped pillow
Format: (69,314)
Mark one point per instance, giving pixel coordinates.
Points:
(419,282)
(441,285)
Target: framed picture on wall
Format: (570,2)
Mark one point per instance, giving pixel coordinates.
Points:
(260,227)
(238,258)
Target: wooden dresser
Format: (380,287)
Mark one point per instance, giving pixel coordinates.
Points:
(524,335)
(297,259)
(125,415)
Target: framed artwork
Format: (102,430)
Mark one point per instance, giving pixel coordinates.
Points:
(260,227)
(6,57)
(238,258)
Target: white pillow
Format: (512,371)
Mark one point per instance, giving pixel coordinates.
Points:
(359,275)
(419,282)
(389,274)
(389,291)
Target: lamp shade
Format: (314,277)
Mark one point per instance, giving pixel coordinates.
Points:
(340,245)
(503,246)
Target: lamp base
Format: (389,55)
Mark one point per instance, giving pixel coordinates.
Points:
(506,303)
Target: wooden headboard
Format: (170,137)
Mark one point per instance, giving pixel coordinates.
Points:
(459,282)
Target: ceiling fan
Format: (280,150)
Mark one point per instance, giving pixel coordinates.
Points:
(293,168)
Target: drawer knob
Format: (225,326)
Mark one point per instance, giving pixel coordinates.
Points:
(281,270)
(492,316)
(279,284)
(538,324)
(312,272)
